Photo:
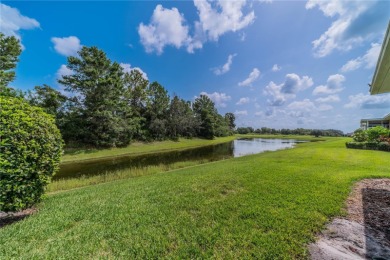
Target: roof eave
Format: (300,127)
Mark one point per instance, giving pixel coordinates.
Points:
(381,79)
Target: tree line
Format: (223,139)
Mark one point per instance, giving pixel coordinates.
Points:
(284,131)
(110,107)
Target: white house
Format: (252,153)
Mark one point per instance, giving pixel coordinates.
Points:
(380,82)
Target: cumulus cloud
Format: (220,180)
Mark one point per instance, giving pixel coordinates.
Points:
(356,22)
(251,78)
(276,68)
(294,83)
(368,60)
(328,99)
(12,21)
(220,17)
(288,89)
(167,27)
(306,109)
(333,85)
(304,105)
(368,102)
(325,107)
(241,113)
(242,101)
(226,67)
(63,71)
(67,46)
(127,68)
(219,99)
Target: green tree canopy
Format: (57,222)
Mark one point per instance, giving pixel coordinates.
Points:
(10,50)
(206,112)
(98,86)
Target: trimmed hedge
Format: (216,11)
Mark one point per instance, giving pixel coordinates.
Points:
(30,151)
(382,146)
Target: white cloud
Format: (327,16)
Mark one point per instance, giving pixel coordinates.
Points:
(276,68)
(251,78)
(328,99)
(166,28)
(226,67)
(241,113)
(325,107)
(368,60)
(368,102)
(242,101)
(12,21)
(220,17)
(304,105)
(63,71)
(219,99)
(259,113)
(127,68)
(67,46)
(294,83)
(356,22)
(288,89)
(333,85)
(352,65)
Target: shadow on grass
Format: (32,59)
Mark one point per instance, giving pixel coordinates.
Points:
(13,217)
(376,208)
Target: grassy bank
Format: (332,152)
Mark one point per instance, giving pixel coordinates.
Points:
(266,206)
(145,148)
(73,183)
(138,148)
(295,137)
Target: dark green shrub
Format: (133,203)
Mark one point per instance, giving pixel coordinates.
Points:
(355,145)
(384,146)
(371,145)
(30,151)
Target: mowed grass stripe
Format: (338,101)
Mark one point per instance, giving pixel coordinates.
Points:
(267,206)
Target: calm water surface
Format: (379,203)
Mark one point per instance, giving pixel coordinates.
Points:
(211,153)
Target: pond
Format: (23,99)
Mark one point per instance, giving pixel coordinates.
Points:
(236,148)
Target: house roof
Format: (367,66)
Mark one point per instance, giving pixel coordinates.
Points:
(387,117)
(372,119)
(381,79)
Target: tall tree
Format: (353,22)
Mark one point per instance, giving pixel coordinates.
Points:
(181,119)
(207,113)
(98,86)
(51,100)
(135,96)
(156,111)
(230,119)
(10,50)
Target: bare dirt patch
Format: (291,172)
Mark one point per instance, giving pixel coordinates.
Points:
(365,232)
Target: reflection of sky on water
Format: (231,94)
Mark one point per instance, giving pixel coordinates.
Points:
(211,153)
(253,146)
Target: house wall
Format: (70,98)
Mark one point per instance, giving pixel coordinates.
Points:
(365,124)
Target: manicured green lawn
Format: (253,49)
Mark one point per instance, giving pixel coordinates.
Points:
(266,206)
(140,148)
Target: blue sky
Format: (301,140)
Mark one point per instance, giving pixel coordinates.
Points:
(279,64)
